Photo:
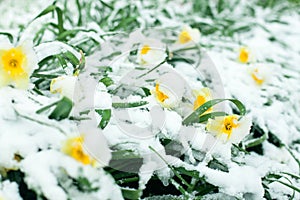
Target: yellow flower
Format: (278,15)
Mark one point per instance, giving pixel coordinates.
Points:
(260,73)
(257,77)
(202,96)
(228,128)
(164,96)
(151,52)
(160,96)
(145,49)
(189,34)
(16,64)
(74,148)
(244,55)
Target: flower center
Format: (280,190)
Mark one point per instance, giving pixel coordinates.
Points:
(184,37)
(145,49)
(228,124)
(199,101)
(13,61)
(259,80)
(78,154)
(160,95)
(73,148)
(244,55)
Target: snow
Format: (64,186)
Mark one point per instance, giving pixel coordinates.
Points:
(9,190)
(231,184)
(38,139)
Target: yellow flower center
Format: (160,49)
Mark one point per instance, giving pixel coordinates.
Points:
(13,62)
(228,124)
(145,49)
(200,100)
(74,148)
(160,95)
(256,77)
(244,55)
(184,37)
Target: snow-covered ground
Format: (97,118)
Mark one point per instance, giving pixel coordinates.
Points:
(131,95)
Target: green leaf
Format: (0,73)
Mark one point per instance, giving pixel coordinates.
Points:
(10,36)
(204,118)
(217,165)
(107,81)
(43,109)
(194,117)
(129,193)
(62,61)
(62,109)
(292,175)
(80,65)
(116,53)
(105,117)
(256,141)
(71,57)
(47,10)
(84,185)
(129,105)
(146,91)
(60,21)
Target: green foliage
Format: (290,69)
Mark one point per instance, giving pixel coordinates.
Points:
(18,177)
(105,117)
(196,115)
(62,110)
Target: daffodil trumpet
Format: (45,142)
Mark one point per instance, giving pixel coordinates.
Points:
(230,128)
(17,64)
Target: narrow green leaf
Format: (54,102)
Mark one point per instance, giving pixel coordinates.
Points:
(105,117)
(71,57)
(129,105)
(62,61)
(146,91)
(47,10)
(43,109)
(194,117)
(45,76)
(204,118)
(60,21)
(256,141)
(117,53)
(183,181)
(288,185)
(79,22)
(128,180)
(8,35)
(292,175)
(62,109)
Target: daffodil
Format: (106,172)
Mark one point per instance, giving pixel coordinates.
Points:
(164,96)
(74,148)
(245,55)
(16,64)
(188,35)
(260,73)
(64,85)
(202,96)
(151,52)
(229,128)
